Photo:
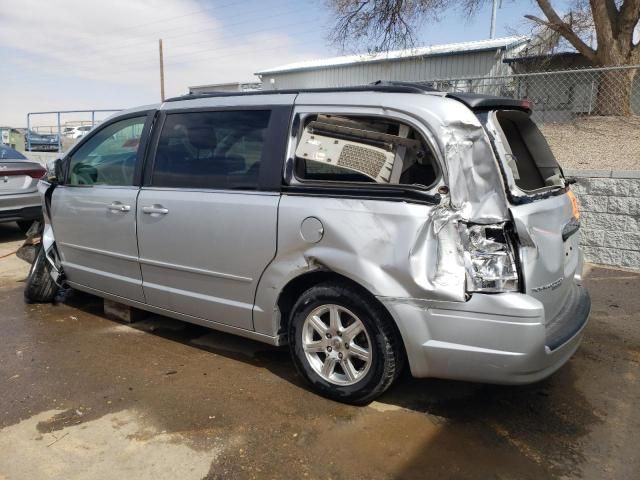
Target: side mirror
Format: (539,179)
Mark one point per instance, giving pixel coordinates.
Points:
(54,171)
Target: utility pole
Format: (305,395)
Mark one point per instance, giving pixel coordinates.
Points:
(161,71)
(494,11)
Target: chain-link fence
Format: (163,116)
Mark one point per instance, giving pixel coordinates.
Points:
(561,96)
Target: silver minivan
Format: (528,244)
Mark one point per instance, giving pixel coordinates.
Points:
(369,228)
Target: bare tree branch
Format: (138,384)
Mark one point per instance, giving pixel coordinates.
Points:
(627,20)
(384,24)
(555,23)
(604,29)
(612,14)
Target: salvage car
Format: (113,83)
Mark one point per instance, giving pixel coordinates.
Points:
(35,141)
(19,198)
(367,227)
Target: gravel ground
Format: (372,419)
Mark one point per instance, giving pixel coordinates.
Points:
(596,143)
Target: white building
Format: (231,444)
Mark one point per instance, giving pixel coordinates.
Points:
(226,87)
(437,62)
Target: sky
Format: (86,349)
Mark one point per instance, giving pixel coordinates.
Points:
(96,54)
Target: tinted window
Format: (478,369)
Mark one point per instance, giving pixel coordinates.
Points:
(211,149)
(109,157)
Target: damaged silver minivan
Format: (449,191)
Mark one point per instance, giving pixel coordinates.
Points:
(368,228)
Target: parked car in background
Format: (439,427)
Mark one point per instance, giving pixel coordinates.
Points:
(81,131)
(367,227)
(41,142)
(78,132)
(19,198)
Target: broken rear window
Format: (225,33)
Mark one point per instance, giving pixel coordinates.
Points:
(338,148)
(529,157)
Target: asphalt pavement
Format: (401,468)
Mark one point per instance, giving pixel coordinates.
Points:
(86,397)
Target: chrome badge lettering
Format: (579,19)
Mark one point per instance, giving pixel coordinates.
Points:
(550,286)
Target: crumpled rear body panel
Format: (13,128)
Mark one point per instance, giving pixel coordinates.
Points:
(393,248)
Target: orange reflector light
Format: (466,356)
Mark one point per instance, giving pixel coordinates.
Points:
(574,204)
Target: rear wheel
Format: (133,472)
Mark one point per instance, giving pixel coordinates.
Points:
(344,344)
(40,287)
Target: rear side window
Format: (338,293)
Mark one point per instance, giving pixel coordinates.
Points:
(528,154)
(217,150)
(341,148)
(108,157)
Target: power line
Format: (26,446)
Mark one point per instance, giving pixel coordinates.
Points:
(152,63)
(137,65)
(170,19)
(107,58)
(235,53)
(154,34)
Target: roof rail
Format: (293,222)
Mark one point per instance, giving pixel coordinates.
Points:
(379,86)
(474,101)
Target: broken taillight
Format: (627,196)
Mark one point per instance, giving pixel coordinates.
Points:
(489,258)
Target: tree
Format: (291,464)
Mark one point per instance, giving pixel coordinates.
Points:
(384,24)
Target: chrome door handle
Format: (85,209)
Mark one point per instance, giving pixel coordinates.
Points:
(151,209)
(119,207)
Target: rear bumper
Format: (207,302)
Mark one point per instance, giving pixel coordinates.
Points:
(500,338)
(22,206)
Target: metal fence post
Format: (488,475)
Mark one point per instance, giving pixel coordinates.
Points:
(28,132)
(591,96)
(59,135)
(93,118)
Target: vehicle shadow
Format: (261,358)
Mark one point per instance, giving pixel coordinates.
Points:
(9,232)
(274,359)
(481,431)
(497,431)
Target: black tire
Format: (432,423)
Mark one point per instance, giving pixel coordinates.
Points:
(40,287)
(387,353)
(25,225)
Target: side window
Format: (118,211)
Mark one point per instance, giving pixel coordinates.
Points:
(341,148)
(109,157)
(220,149)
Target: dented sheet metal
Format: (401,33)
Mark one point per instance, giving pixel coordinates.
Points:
(435,260)
(395,249)
(475,182)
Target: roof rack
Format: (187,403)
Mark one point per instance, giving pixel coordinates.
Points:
(474,101)
(378,86)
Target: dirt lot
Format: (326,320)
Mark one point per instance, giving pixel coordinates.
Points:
(85,397)
(596,143)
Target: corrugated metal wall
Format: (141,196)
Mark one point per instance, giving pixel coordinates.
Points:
(409,69)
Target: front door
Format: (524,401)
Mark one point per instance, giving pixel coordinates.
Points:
(206,227)
(93,213)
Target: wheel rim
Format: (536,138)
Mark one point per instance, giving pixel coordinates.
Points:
(336,345)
